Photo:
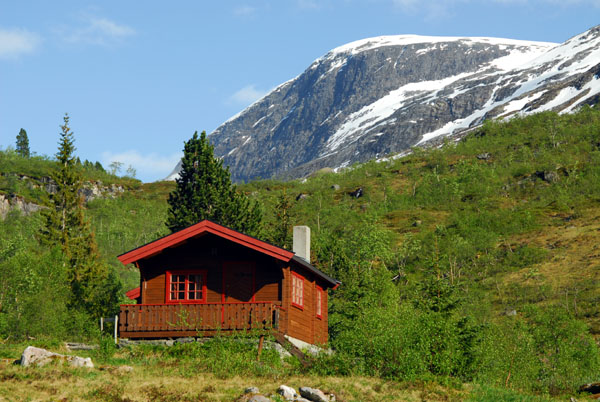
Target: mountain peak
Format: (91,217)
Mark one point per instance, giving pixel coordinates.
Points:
(379,96)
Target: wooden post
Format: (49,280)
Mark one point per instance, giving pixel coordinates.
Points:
(116,325)
(260,347)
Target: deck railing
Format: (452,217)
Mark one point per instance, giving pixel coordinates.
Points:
(172,318)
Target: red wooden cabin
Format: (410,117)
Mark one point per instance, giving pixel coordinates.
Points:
(209,278)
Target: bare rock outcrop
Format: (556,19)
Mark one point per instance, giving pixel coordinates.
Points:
(38,357)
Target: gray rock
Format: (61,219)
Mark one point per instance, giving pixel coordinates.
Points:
(551,177)
(288,393)
(356,193)
(259,398)
(591,388)
(484,156)
(33,356)
(14,202)
(335,187)
(124,369)
(185,340)
(80,346)
(321,118)
(301,196)
(251,390)
(313,394)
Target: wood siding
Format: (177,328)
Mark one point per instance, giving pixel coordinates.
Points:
(303,323)
(258,278)
(142,320)
(211,255)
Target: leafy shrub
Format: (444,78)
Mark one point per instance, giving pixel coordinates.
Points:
(546,351)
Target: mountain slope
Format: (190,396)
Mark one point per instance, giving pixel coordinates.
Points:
(383,95)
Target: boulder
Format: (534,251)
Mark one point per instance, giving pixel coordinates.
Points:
(313,394)
(124,369)
(259,398)
(301,196)
(335,187)
(484,156)
(79,346)
(548,176)
(356,193)
(288,393)
(593,388)
(40,357)
(251,390)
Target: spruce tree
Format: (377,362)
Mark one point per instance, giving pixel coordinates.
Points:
(23,144)
(65,225)
(204,191)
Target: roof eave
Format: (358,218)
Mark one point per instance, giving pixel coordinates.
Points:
(333,282)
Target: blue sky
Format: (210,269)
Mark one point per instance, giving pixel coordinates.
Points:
(139,77)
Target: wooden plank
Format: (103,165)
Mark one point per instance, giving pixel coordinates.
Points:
(290,347)
(173,317)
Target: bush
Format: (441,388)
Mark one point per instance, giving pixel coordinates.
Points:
(548,350)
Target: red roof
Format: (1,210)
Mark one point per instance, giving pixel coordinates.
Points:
(133,293)
(202,227)
(207,226)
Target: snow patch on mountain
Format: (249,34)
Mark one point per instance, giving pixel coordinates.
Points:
(381,96)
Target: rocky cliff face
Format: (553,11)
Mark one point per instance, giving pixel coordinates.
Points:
(89,191)
(380,96)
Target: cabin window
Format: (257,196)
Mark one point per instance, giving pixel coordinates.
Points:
(319,302)
(297,290)
(186,286)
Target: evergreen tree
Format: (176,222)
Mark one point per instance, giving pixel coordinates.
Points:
(98,166)
(281,233)
(204,191)
(23,144)
(65,225)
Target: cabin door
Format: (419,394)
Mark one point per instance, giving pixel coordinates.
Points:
(238,282)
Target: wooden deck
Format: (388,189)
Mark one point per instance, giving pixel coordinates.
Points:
(179,320)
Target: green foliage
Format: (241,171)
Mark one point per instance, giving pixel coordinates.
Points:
(22,144)
(439,247)
(280,231)
(93,289)
(224,356)
(204,191)
(34,291)
(547,350)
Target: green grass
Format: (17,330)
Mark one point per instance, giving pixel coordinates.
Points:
(517,232)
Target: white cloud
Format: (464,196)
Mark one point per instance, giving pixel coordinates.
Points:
(442,9)
(15,42)
(149,167)
(309,4)
(248,94)
(96,31)
(563,3)
(244,11)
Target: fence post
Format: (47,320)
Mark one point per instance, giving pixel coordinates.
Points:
(116,326)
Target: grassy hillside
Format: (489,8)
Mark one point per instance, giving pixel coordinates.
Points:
(510,213)
(476,262)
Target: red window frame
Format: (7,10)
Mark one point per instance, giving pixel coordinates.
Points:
(187,282)
(319,302)
(297,299)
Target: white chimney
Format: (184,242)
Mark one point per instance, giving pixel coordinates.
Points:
(301,244)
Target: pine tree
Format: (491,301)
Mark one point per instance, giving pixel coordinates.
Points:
(204,191)
(23,144)
(281,233)
(65,225)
